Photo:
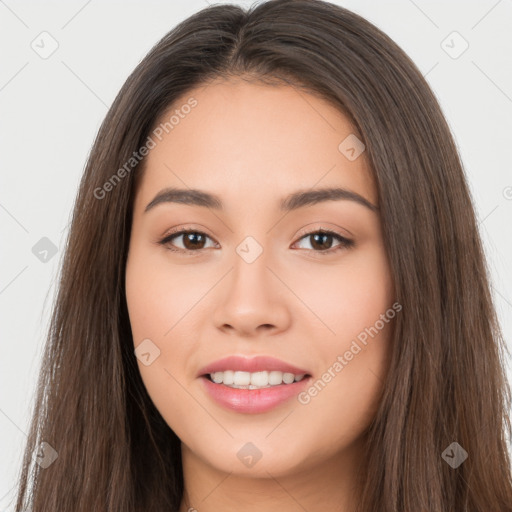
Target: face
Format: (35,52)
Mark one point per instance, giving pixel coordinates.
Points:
(306,286)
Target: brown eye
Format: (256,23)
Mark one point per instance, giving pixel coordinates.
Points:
(192,241)
(322,241)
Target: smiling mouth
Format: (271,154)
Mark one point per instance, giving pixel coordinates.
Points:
(254,380)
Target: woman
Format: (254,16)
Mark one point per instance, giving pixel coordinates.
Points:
(332,343)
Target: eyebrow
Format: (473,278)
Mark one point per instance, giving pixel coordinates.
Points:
(293,201)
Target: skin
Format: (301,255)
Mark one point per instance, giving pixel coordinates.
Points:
(253,144)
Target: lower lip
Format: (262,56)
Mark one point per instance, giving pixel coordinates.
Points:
(253,401)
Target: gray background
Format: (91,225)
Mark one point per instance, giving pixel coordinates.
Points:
(51,109)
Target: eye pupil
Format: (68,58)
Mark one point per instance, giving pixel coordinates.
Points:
(323,236)
(191,238)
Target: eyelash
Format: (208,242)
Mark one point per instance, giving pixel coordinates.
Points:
(345,243)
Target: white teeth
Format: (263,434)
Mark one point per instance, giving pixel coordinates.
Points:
(259,379)
(288,378)
(256,380)
(275,378)
(217,377)
(228,377)
(241,378)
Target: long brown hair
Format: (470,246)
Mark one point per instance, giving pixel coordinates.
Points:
(446,383)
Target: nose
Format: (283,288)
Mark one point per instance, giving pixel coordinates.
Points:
(252,300)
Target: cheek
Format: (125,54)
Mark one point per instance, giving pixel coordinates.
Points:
(354,304)
(158,302)
(346,298)
(162,298)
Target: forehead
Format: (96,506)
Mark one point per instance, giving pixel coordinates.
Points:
(250,141)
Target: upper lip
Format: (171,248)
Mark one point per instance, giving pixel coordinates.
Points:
(250,364)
